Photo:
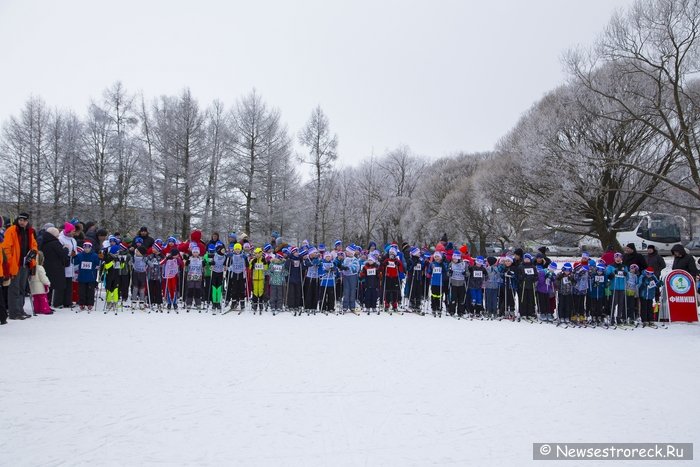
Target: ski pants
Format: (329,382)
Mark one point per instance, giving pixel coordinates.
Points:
(311,293)
(86,294)
(349,292)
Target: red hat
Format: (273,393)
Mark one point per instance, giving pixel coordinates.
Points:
(650,269)
(158,248)
(80,249)
(123,246)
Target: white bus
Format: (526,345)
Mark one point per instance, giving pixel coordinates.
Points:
(644,229)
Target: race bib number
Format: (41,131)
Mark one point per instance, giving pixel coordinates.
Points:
(652,284)
(85,265)
(437,270)
(417,267)
(529,271)
(277,268)
(620,273)
(259,266)
(391,264)
(371,272)
(195,277)
(600,278)
(117,265)
(478,274)
(296,263)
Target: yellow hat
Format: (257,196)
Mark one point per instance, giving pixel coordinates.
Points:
(237,247)
(258,250)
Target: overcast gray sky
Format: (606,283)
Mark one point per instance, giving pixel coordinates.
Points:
(440,76)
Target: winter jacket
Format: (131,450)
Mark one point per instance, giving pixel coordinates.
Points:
(527,276)
(617,275)
(195,269)
(599,282)
(477,274)
(391,268)
(632,285)
(16,245)
(258,267)
(458,273)
(685,262)
(56,258)
(437,272)
(546,281)
(648,285)
(71,245)
(634,258)
(369,274)
(565,284)
(195,239)
(39,281)
(312,265)
(327,272)
(277,273)
(581,280)
(509,276)
(415,270)
(294,267)
(493,278)
(87,264)
(657,262)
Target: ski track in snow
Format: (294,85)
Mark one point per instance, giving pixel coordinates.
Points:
(195,389)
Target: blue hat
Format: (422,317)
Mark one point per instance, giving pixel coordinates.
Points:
(585,255)
(414,251)
(275,234)
(219,243)
(372,244)
(267,247)
(600,267)
(211,247)
(138,240)
(172,240)
(527,256)
(426,255)
(553,265)
(321,247)
(337,243)
(566,267)
(112,238)
(114,249)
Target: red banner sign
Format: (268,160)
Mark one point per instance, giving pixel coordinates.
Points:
(680,293)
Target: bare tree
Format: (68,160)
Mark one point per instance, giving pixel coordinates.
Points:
(322,152)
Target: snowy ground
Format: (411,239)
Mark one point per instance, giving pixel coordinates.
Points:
(333,390)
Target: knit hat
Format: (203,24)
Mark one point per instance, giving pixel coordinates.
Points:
(508,258)
(237,247)
(600,267)
(267,247)
(585,255)
(372,244)
(463,249)
(566,267)
(631,246)
(23,215)
(542,249)
(87,244)
(112,238)
(194,248)
(68,228)
(211,247)
(53,231)
(327,254)
(414,251)
(321,247)
(553,266)
(138,240)
(634,266)
(258,250)
(457,255)
(293,250)
(172,240)
(519,252)
(651,247)
(649,270)
(491,260)
(479,260)
(525,256)
(437,255)
(392,251)
(159,248)
(618,255)
(337,243)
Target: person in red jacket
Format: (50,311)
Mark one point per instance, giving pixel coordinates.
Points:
(391,268)
(195,239)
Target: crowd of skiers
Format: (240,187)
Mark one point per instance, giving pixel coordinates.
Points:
(68,267)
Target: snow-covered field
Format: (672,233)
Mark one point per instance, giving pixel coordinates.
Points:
(332,390)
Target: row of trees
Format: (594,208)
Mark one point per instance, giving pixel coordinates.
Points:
(619,137)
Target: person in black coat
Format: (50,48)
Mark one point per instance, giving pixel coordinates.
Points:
(631,257)
(147,239)
(684,261)
(56,259)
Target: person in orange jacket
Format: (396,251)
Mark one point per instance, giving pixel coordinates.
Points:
(20,248)
(3,267)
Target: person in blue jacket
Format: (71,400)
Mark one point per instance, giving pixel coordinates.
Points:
(88,263)
(617,275)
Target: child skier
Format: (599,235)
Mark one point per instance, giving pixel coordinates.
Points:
(648,286)
(527,279)
(349,271)
(154,273)
(236,283)
(278,277)
(617,275)
(369,275)
(171,272)
(258,266)
(415,279)
(217,258)
(632,292)
(311,264)
(477,273)
(457,288)
(88,264)
(327,273)
(598,285)
(437,273)
(581,287)
(492,283)
(138,277)
(195,274)
(509,286)
(391,268)
(565,287)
